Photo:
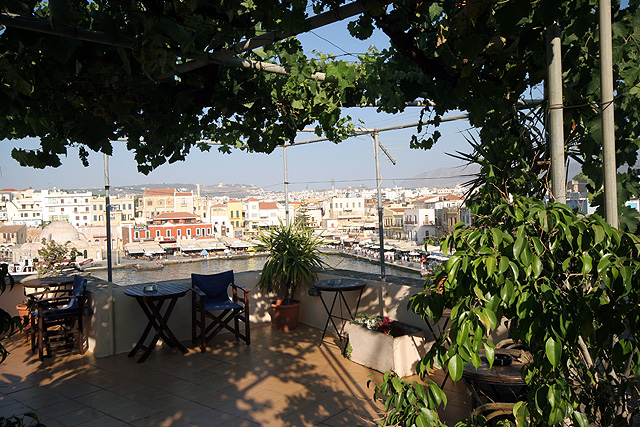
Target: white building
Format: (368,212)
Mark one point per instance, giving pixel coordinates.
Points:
(75,208)
(345,207)
(420,225)
(25,208)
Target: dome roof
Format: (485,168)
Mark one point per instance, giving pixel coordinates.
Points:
(60,231)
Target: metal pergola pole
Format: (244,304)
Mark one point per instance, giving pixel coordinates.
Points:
(376,149)
(608,130)
(556,120)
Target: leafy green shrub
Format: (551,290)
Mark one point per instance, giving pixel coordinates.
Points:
(568,284)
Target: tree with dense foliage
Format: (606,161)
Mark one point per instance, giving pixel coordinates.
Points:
(166,75)
(567,285)
(55,257)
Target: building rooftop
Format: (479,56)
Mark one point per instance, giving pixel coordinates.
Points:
(282,379)
(159,192)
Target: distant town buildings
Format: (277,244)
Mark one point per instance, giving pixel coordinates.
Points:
(175,216)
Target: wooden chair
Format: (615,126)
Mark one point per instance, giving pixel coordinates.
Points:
(56,321)
(213,310)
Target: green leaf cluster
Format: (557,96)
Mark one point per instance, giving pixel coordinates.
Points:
(409,404)
(55,257)
(566,285)
(293,259)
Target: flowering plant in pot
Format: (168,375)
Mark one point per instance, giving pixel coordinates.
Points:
(379,324)
(293,260)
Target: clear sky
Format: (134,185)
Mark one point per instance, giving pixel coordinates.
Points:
(313,166)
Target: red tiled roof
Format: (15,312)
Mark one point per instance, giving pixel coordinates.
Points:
(452,197)
(160,192)
(252,199)
(184,194)
(175,215)
(8,189)
(268,205)
(233,201)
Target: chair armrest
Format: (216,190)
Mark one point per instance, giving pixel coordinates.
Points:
(245,296)
(242,288)
(198,291)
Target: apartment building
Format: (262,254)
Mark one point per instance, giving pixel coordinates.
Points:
(24,208)
(156,201)
(393,221)
(235,213)
(122,209)
(74,208)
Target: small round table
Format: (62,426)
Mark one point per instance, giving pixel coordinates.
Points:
(338,286)
(151,302)
(46,283)
(507,377)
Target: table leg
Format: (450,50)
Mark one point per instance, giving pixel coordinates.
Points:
(164,331)
(329,317)
(158,321)
(150,324)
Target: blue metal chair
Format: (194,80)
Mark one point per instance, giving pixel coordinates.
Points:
(57,320)
(213,310)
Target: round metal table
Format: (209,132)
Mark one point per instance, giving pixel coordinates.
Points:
(338,287)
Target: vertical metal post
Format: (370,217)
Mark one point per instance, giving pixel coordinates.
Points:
(608,130)
(110,299)
(556,120)
(286,186)
(376,149)
(107,216)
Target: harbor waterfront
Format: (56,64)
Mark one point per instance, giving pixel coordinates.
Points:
(183,270)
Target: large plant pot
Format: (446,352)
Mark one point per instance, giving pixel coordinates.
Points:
(285,317)
(383,352)
(25,316)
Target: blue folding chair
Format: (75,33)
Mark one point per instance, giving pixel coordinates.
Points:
(57,321)
(213,310)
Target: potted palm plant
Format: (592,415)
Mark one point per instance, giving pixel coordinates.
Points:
(293,260)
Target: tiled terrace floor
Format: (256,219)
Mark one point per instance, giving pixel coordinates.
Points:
(282,379)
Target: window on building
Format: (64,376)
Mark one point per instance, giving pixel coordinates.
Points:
(231,214)
(188,232)
(179,232)
(237,214)
(197,231)
(84,217)
(168,233)
(100,207)
(129,206)
(95,217)
(147,234)
(208,232)
(61,209)
(136,235)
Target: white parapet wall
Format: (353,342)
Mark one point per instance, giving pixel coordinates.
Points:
(125,320)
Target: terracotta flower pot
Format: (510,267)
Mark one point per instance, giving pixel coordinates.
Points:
(25,315)
(285,317)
